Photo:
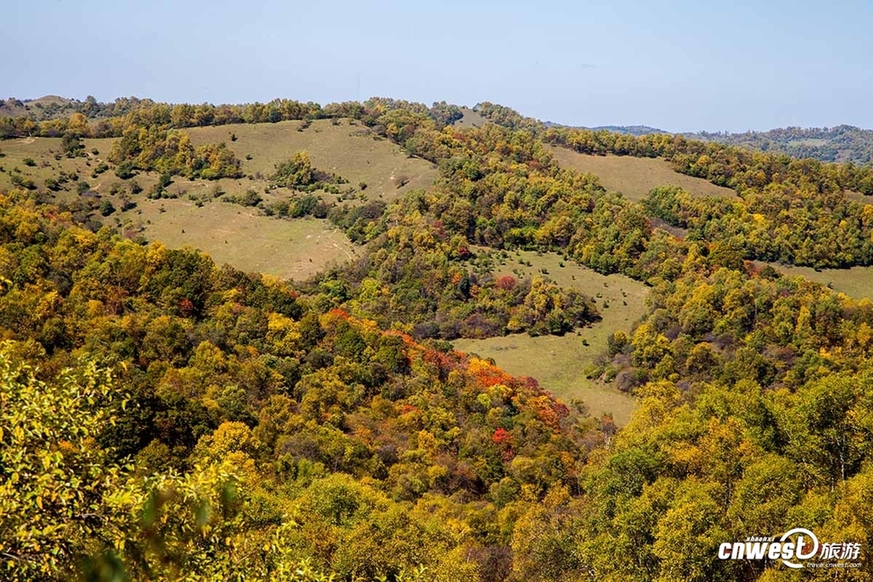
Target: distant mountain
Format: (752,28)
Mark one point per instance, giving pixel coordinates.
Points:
(42,108)
(844,143)
(54,107)
(630,129)
(626,129)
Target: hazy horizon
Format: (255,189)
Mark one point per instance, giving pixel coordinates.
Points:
(676,66)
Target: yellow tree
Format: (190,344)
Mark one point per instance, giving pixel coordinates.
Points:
(52,472)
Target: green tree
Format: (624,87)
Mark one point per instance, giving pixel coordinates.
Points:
(296,173)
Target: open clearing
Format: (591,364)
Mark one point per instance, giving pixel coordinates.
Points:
(470,119)
(287,249)
(856,282)
(376,168)
(634,177)
(351,151)
(559,362)
(42,151)
(858,197)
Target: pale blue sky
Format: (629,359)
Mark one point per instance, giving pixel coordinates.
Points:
(681,66)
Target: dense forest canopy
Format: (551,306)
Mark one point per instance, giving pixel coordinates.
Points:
(213,424)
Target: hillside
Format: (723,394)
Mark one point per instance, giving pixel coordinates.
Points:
(843,143)
(200,212)
(635,177)
(349,149)
(561,363)
(636,130)
(171,417)
(272,420)
(41,108)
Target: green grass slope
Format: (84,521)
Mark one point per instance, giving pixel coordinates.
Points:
(287,249)
(634,177)
(559,363)
(856,282)
(352,151)
(294,248)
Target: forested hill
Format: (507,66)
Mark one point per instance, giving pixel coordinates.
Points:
(55,107)
(843,143)
(165,418)
(625,129)
(161,414)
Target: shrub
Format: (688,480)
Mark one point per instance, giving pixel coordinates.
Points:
(106,208)
(250,198)
(22,182)
(72,144)
(125,170)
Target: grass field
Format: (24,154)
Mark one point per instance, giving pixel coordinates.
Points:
(858,197)
(42,151)
(288,249)
(470,119)
(351,151)
(856,282)
(558,363)
(231,233)
(634,177)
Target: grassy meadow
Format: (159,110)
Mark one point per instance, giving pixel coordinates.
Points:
(634,177)
(856,282)
(43,151)
(198,214)
(470,119)
(229,233)
(352,151)
(559,363)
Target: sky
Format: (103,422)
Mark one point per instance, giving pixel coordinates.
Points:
(679,66)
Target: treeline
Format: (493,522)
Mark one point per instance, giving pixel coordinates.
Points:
(111,121)
(57,107)
(778,223)
(724,165)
